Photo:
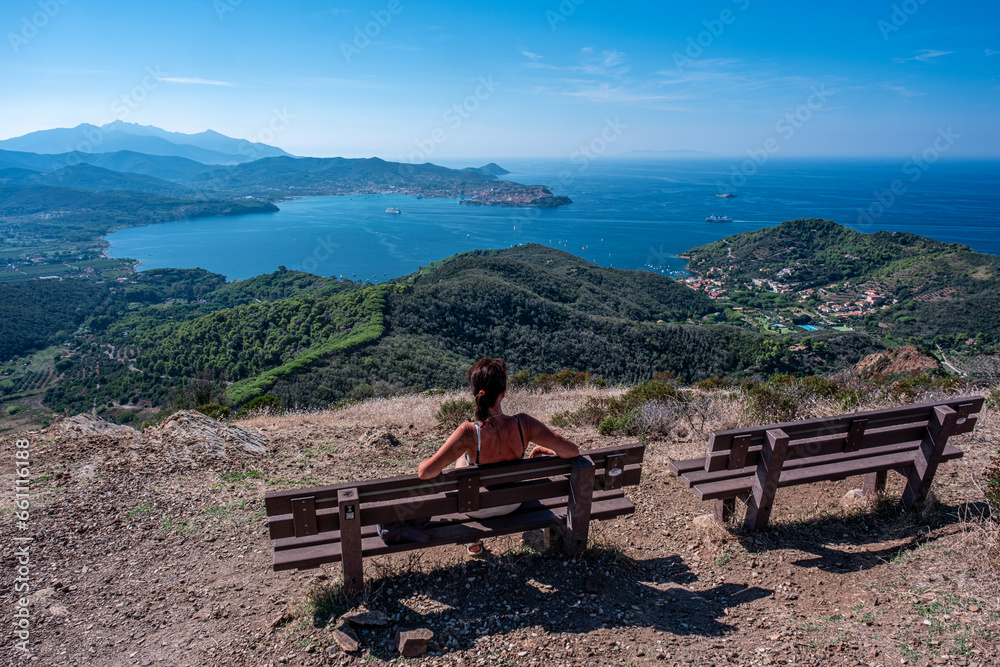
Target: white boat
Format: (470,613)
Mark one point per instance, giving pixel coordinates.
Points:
(392,209)
(718,218)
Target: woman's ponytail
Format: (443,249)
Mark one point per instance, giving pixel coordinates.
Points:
(487,380)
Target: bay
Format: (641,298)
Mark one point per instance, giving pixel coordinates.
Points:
(634,214)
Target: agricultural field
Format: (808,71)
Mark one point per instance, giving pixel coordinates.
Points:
(23,382)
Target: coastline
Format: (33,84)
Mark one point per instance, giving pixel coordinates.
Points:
(641,217)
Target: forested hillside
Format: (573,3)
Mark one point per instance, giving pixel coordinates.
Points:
(38,313)
(917,290)
(315,341)
(545,310)
(148,341)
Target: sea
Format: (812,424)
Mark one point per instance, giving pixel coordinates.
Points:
(626,213)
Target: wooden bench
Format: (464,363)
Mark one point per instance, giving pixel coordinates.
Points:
(311,527)
(753,463)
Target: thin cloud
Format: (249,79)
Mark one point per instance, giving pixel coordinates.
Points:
(925,56)
(605,92)
(613,58)
(196,81)
(902,90)
(534,57)
(609,63)
(991,52)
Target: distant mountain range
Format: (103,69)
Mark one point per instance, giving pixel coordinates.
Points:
(141,158)
(94,179)
(272,178)
(207,147)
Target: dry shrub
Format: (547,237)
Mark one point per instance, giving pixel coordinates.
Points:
(455,411)
(544,406)
(981,541)
(661,417)
(621,414)
(418,409)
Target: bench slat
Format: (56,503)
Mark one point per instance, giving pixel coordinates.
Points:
(328,518)
(826,444)
(798,450)
(731,488)
(314,556)
(681,467)
(411,486)
(329,537)
(700,476)
(820,426)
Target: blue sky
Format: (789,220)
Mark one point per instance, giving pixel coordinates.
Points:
(442,80)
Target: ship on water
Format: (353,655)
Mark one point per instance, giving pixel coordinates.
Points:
(726,195)
(392,209)
(718,218)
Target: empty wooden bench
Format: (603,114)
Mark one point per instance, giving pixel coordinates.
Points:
(753,463)
(311,527)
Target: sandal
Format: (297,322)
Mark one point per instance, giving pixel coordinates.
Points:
(476,549)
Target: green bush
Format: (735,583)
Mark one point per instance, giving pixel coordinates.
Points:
(849,398)
(520,380)
(910,388)
(626,424)
(993,398)
(592,413)
(713,382)
(454,412)
(992,476)
(213,410)
(620,415)
(770,402)
(265,404)
(565,379)
(820,386)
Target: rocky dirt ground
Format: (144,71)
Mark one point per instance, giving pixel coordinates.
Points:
(151,549)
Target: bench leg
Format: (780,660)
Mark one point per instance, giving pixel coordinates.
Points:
(765,484)
(918,481)
(581,498)
(724,509)
(350,541)
(875,483)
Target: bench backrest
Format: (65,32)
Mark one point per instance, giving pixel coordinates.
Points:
(303,512)
(739,448)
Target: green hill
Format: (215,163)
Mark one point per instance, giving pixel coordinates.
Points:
(39,313)
(314,341)
(925,291)
(89,177)
(545,310)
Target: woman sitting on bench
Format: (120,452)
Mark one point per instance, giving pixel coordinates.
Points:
(494,437)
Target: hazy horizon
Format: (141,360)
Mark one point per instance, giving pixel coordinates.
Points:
(446,81)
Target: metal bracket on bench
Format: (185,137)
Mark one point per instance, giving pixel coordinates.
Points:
(613,469)
(855,435)
(468,491)
(738,452)
(304,516)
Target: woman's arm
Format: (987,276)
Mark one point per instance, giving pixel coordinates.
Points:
(549,442)
(450,451)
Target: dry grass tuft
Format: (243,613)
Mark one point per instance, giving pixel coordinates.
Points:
(981,552)
(543,405)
